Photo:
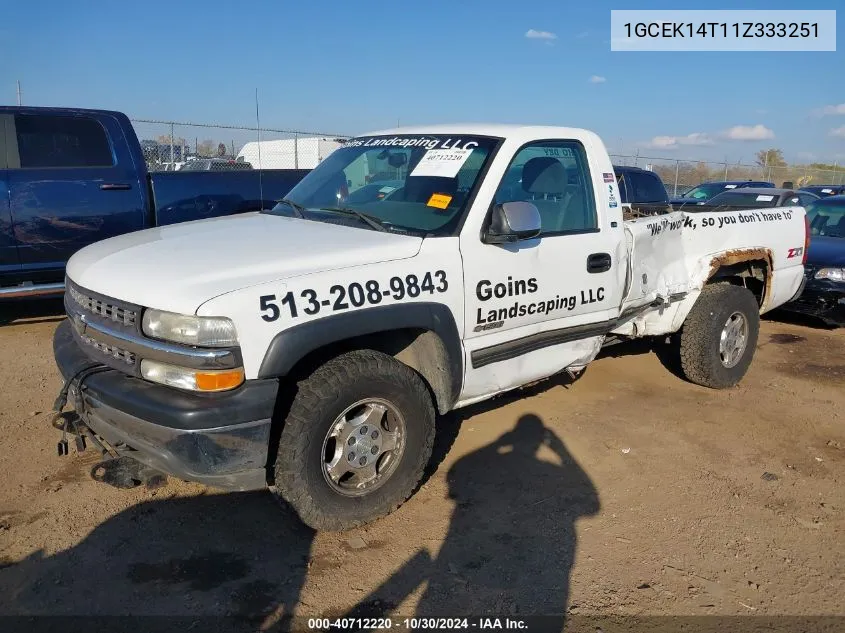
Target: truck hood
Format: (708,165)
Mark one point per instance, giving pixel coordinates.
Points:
(179,267)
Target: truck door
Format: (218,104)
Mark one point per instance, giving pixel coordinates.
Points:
(538,306)
(74,183)
(8,248)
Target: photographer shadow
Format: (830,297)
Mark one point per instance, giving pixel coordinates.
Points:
(511,540)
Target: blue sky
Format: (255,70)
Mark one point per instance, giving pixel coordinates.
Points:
(347,67)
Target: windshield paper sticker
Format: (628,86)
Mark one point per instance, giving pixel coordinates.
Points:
(765,198)
(730,186)
(439,201)
(445,163)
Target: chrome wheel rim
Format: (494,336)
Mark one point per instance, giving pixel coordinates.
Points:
(363,446)
(733,340)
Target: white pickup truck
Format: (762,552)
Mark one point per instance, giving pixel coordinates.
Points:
(309,348)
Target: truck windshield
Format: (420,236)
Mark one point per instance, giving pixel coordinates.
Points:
(406,183)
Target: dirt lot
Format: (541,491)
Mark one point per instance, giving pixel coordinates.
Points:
(628,491)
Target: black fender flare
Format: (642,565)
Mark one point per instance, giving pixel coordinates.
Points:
(290,346)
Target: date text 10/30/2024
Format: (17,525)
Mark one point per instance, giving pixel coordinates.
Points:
(415,624)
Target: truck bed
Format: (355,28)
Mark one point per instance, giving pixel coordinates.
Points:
(644,210)
(671,257)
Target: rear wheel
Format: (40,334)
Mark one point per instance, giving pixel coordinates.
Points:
(719,336)
(356,441)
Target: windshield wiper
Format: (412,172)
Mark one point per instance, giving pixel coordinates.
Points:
(298,209)
(373,222)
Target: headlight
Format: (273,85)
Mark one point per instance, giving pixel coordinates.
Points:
(191,379)
(189,329)
(834,274)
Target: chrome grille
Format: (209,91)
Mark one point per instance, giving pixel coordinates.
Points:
(103,309)
(109,350)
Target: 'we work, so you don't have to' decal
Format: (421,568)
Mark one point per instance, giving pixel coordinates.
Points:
(666,225)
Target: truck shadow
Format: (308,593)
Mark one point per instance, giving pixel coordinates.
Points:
(509,549)
(666,353)
(29,311)
(795,318)
(237,555)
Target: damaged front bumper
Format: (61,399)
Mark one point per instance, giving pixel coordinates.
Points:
(822,299)
(218,439)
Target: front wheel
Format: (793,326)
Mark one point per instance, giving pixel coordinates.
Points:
(356,441)
(719,336)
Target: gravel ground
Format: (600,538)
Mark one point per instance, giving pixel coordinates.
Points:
(626,492)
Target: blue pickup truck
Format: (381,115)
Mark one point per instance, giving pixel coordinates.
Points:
(70,177)
(641,192)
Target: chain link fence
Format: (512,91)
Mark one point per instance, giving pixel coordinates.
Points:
(172,145)
(681,175)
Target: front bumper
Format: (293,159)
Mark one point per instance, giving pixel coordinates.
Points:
(822,299)
(217,439)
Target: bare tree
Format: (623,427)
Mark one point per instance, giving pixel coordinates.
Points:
(206,148)
(770,158)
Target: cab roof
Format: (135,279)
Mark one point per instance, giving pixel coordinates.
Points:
(763,191)
(497,130)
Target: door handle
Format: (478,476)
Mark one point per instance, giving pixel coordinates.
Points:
(598,263)
(115,186)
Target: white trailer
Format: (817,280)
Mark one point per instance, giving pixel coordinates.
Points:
(289,153)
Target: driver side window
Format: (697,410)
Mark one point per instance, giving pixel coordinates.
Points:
(555,177)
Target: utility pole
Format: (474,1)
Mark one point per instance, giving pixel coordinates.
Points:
(677,168)
(172,140)
(19,92)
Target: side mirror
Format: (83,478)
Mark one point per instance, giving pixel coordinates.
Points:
(512,222)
